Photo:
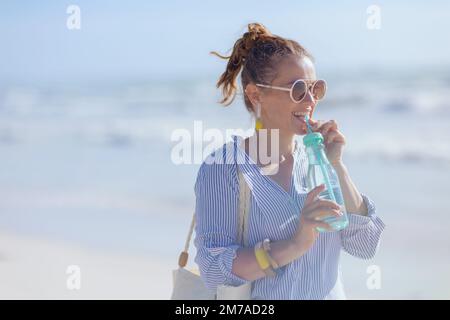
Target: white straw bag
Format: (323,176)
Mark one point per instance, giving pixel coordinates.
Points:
(187,284)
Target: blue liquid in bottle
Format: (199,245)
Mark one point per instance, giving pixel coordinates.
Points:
(320,171)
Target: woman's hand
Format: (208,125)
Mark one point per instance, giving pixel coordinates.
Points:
(313,211)
(334,140)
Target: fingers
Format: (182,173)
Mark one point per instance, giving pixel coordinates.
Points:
(320,214)
(316,124)
(313,194)
(332,124)
(329,130)
(334,136)
(324,126)
(323,225)
(314,224)
(323,204)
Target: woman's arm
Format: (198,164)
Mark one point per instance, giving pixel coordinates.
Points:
(283,252)
(353,200)
(362,235)
(361,238)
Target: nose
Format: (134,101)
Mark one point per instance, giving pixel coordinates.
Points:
(309,99)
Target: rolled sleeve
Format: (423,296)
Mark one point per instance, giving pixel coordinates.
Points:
(216,226)
(362,236)
(216,263)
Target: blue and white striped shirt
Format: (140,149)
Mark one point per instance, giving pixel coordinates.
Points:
(273,214)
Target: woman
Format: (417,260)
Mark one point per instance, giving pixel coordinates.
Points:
(306,261)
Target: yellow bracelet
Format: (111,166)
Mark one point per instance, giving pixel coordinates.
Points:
(266,246)
(261,257)
(263,261)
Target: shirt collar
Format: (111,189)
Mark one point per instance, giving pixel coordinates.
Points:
(265,191)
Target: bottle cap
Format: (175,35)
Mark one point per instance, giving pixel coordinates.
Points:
(312,139)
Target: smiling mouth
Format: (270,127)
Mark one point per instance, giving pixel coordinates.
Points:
(300,115)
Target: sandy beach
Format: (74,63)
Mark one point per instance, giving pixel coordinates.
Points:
(36,269)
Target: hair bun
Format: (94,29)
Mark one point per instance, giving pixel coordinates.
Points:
(256,30)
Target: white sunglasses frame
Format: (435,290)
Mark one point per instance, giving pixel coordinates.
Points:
(309,87)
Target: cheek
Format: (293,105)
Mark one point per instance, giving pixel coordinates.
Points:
(282,107)
(279,110)
(279,100)
(279,114)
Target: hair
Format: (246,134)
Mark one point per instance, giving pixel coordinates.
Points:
(257,53)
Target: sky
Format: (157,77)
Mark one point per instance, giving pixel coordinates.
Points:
(163,39)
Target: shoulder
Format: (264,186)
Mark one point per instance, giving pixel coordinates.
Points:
(218,167)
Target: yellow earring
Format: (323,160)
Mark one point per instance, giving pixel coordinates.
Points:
(258,123)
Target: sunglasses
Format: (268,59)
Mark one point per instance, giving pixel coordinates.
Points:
(300,87)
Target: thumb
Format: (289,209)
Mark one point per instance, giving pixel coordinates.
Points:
(312,121)
(314,193)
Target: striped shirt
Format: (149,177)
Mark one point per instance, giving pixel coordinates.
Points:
(274,214)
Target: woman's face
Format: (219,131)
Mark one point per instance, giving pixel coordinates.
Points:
(277,108)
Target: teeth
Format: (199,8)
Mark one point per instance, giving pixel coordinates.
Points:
(298,113)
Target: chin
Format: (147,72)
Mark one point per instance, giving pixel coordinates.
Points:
(299,131)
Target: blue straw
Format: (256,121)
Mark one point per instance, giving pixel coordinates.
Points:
(321,164)
(307,124)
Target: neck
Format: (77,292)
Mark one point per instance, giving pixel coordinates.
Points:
(286,144)
(285,141)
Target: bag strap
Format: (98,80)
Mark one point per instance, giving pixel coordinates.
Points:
(244,209)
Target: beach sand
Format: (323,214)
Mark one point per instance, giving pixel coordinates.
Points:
(36,269)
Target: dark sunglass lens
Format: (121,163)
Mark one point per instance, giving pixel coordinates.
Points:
(319,89)
(298,91)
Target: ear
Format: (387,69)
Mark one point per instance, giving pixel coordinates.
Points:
(252,92)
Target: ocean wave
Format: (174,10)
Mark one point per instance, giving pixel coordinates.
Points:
(184,98)
(431,104)
(404,156)
(412,150)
